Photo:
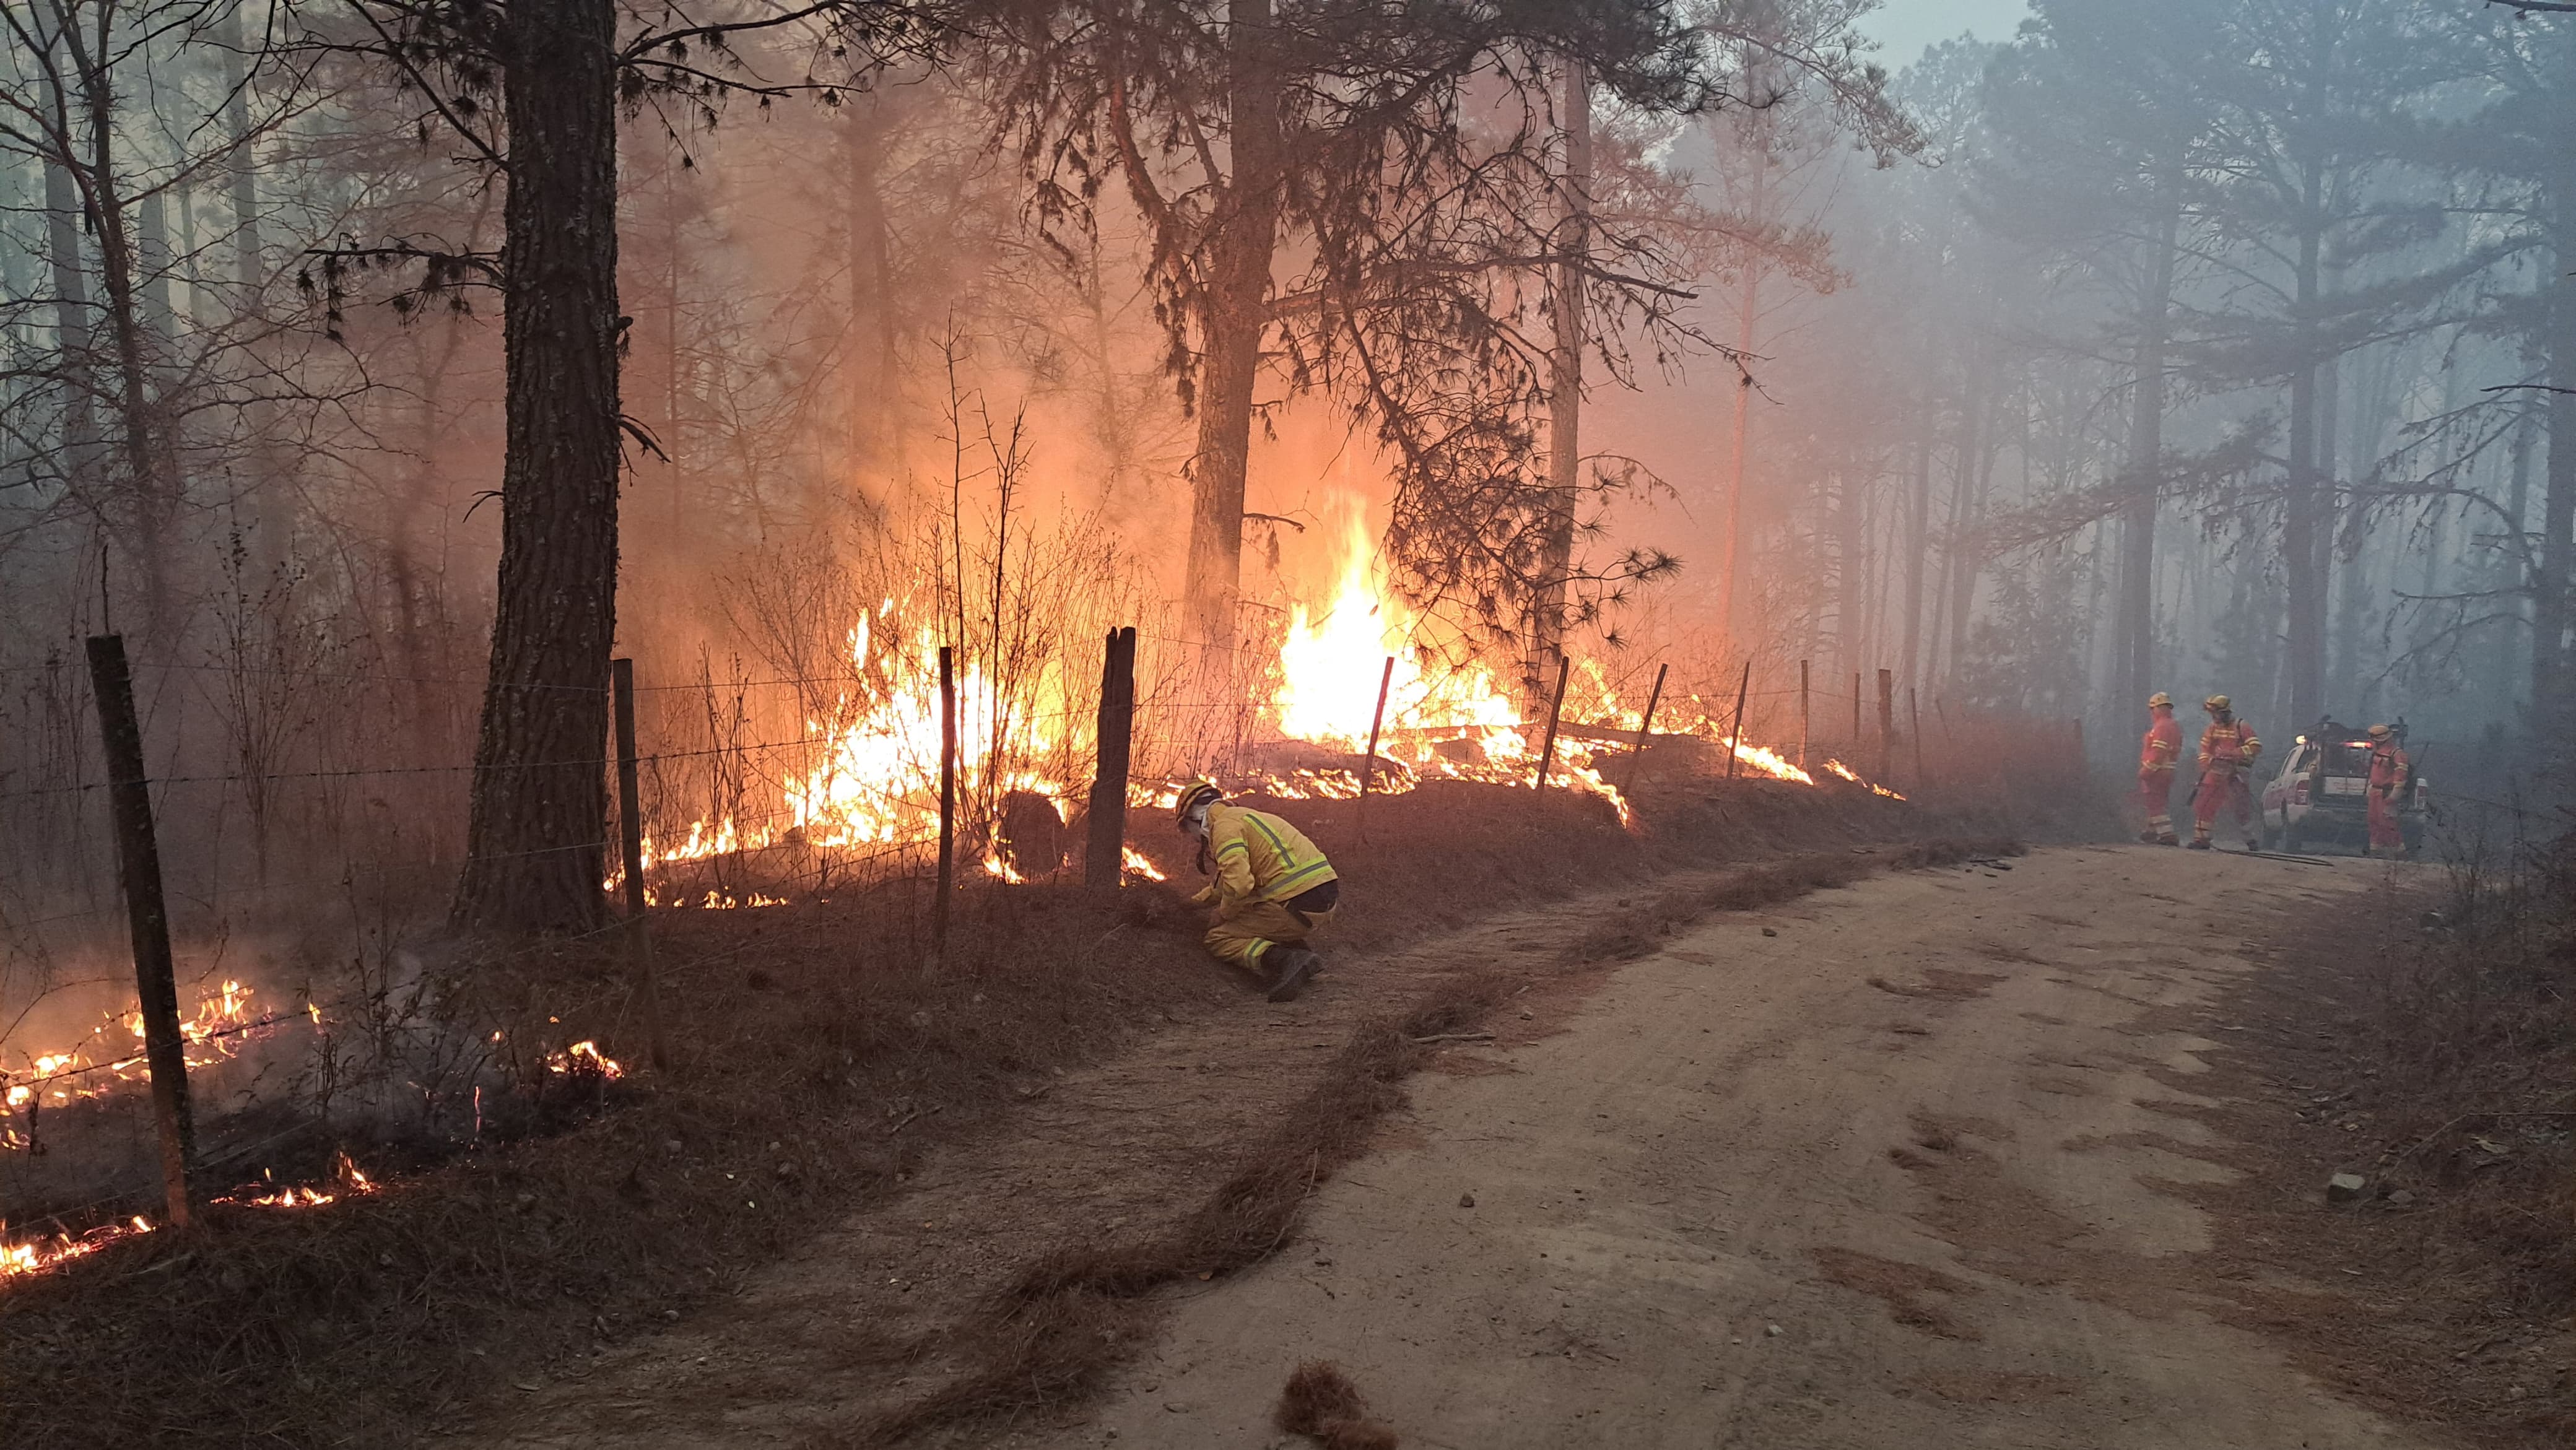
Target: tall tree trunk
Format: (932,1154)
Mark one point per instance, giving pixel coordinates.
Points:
(1976,465)
(1237,312)
(2509,577)
(272,496)
(2553,673)
(1851,529)
(1553,588)
(534,834)
(2307,518)
(151,468)
(1731,560)
(2137,620)
(73,343)
(1918,536)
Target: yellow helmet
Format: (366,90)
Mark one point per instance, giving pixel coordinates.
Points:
(2378,732)
(2160,698)
(2215,702)
(1196,796)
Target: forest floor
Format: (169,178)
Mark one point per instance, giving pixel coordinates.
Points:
(1979,1154)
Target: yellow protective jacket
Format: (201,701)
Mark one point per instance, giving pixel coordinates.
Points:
(1259,857)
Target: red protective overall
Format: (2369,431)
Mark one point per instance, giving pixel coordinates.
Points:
(2225,753)
(2387,778)
(2156,756)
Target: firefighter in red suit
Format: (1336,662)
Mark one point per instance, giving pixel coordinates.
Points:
(2157,754)
(2227,752)
(2387,778)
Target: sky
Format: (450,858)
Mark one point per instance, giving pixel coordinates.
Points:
(1904,27)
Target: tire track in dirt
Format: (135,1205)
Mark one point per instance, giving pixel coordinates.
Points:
(1750,1198)
(897,1304)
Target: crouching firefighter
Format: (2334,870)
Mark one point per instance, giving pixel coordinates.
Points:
(1272,888)
(2228,750)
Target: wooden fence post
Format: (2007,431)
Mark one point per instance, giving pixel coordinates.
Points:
(1368,762)
(1914,715)
(1802,714)
(947,799)
(1555,712)
(1104,859)
(630,841)
(1645,727)
(1735,737)
(1886,725)
(138,869)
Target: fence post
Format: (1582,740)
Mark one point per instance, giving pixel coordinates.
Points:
(630,842)
(1914,715)
(1735,737)
(1555,712)
(1104,858)
(1802,714)
(947,799)
(138,863)
(1886,725)
(1368,762)
(1645,727)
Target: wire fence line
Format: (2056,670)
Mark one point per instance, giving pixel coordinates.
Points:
(716,802)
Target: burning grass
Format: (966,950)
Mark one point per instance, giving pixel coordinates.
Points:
(821,1059)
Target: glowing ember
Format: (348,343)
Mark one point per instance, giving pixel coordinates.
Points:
(582,1059)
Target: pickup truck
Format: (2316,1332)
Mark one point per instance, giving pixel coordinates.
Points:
(2321,797)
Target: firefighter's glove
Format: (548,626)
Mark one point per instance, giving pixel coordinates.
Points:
(1206,895)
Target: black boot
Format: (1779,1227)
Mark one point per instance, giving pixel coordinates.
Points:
(1291,967)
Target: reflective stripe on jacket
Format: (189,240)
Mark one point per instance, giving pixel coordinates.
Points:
(2161,747)
(2229,747)
(1259,857)
(2387,766)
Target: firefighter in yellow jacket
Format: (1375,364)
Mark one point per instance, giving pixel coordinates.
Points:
(1272,888)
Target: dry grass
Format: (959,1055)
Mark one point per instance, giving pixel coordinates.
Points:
(1321,1403)
(2441,1066)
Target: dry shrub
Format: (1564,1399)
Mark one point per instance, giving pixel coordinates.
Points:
(1321,1403)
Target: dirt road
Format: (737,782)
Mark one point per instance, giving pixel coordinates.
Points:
(1886,1167)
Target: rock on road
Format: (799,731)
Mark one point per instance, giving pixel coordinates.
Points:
(1900,1175)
